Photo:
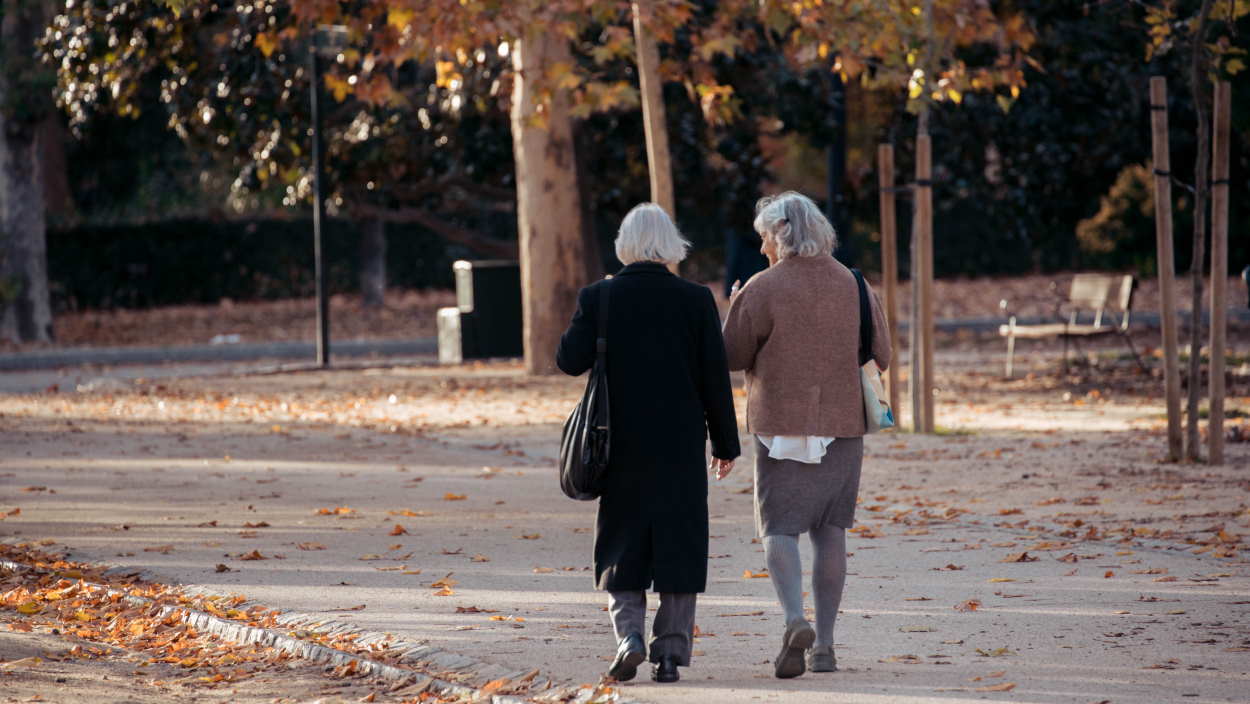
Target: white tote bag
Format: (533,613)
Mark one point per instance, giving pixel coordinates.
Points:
(877,413)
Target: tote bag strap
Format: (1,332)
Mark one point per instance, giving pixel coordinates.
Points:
(865,320)
(601,343)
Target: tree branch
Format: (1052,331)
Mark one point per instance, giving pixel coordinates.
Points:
(448,231)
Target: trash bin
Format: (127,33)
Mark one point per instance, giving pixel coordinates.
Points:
(486,321)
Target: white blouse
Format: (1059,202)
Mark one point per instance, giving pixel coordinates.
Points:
(806,449)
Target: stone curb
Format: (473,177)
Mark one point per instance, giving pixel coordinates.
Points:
(412,653)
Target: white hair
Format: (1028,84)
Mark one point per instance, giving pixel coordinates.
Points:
(647,234)
(799,227)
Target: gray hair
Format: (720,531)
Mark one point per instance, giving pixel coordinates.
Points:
(647,234)
(799,227)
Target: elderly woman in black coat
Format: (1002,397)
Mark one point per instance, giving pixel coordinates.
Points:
(668,389)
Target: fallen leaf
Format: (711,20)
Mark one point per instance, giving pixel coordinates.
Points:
(445,582)
(479,558)
(473,610)
(995,653)
(998,580)
(454,497)
(748,574)
(493,686)
(221,568)
(1020,557)
(258,524)
(398,530)
(917,629)
(1002,687)
(162,549)
(311,546)
(253,555)
(530,536)
(359,607)
(969,605)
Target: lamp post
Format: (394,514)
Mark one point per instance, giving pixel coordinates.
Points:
(327,40)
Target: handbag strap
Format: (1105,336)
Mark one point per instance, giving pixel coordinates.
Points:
(601,343)
(865,320)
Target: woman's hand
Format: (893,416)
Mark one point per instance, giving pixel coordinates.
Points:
(721,467)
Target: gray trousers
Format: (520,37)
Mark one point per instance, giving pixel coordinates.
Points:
(672,631)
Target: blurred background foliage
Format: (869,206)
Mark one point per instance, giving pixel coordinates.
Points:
(208,178)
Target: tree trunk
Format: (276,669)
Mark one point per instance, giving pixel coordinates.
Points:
(25,310)
(57,199)
(590,238)
(549,216)
(373,262)
(1198,84)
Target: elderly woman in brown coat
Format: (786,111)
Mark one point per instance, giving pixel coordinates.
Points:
(794,328)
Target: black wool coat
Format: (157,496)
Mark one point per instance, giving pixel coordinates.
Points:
(668,389)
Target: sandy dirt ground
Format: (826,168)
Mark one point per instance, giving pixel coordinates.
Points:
(1037,549)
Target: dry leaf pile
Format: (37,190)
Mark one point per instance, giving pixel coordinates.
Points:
(123,611)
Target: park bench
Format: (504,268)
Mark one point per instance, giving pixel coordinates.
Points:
(1108,297)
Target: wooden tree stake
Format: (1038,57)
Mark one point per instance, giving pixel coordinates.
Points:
(924,216)
(1166,261)
(1219,270)
(653,116)
(889,261)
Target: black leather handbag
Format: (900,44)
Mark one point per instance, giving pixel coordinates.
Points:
(586,441)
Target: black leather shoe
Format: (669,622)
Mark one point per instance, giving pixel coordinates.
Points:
(629,655)
(665,670)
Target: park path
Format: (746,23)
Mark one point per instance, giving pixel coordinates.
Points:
(1051,558)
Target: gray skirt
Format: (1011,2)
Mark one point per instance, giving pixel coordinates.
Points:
(793,497)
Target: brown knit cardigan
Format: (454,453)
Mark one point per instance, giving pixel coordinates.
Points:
(794,328)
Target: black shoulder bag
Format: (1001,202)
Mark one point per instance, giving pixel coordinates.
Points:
(584,445)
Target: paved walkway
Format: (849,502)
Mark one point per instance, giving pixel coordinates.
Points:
(461,538)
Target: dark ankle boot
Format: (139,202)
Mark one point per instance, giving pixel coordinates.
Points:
(629,655)
(665,670)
